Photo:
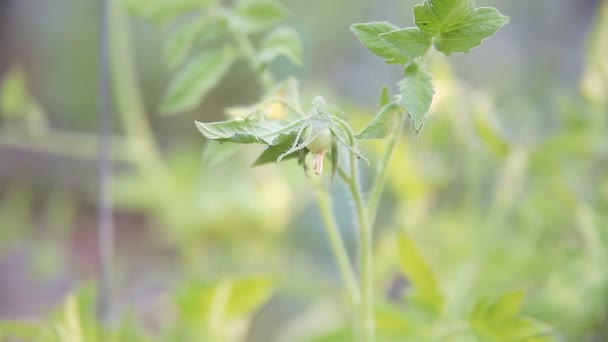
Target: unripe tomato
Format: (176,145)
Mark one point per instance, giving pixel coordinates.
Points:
(323,141)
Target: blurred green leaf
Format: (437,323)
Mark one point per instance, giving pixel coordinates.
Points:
(409,41)
(192,83)
(283,41)
(252,16)
(369,35)
(412,263)
(162,11)
(383,123)
(14,96)
(595,78)
(180,40)
(417,93)
(390,321)
(247,295)
(499,318)
(255,128)
(490,134)
(217,152)
(485,23)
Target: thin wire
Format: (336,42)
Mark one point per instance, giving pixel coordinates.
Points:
(105,224)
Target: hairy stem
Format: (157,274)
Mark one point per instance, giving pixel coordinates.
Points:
(382,175)
(337,244)
(366,309)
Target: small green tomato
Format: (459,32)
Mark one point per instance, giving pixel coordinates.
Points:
(319,147)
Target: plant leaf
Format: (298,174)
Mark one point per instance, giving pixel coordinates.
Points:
(253,129)
(216,152)
(449,14)
(369,35)
(283,41)
(247,295)
(272,153)
(417,95)
(383,123)
(484,24)
(506,306)
(253,16)
(409,41)
(192,83)
(426,20)
(14,96)
(180,40)
(412,263)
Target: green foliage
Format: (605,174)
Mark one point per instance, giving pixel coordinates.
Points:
(426,290)
(368,34)
(253,16)
(383,123)
(451,26)
(14,96)
(182,38)
(409,41)
(470,33)
(195,80)
(499,319)
(417,92)
(283,41)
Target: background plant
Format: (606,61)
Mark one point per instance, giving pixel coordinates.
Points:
(480,175)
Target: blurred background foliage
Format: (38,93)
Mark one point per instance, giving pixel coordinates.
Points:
(493,225)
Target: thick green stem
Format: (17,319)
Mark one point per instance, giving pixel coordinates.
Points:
(337,244)
(382,175)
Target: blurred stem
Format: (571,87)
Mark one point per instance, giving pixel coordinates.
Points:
(248,50)
(383,168)
(333,232)
(105,223)
(127,94)
(366,313)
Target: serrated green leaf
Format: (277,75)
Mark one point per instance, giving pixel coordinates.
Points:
(253,129)
(426,20)
(415,267)
(180,40)
(253,16)
(369,35)
(14,96)
(485,23)
(192,83)
(409,41)
(383,123)
(283,41)
(417,93)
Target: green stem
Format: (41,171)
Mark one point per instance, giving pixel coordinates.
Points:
(366,313)
(383,168)
(142,143)
(337,244)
